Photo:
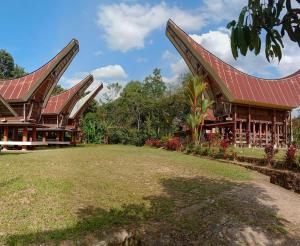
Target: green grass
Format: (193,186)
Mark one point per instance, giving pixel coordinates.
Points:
(259,153)
(59,194)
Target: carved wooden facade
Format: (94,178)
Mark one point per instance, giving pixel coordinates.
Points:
(249,111)
(23,99)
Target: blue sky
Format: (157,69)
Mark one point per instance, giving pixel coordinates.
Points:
(124,40)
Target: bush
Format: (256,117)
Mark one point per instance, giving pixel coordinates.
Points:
(154,143)
(270,153)
(290,157)
(197,150)
(173,144)
(231,153)
(224,144)
(189,148)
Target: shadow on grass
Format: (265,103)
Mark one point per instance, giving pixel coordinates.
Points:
(192,211)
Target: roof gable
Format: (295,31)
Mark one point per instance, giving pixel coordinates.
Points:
(65,100)
(237,86)
(21,89)
(81,105)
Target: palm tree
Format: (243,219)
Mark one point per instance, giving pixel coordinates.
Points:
(194,92)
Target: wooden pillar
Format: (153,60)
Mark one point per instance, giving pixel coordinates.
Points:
(44,138)
(33,134)
(58,136)
(15,134)
(24,137)
(273,133)
(73,138)
(254,132)
(241,133)
(291,129)
(260,136)
(5,136)
(278,135)
(266,133)
(234,125)
(286,129)
(63,134)
(248,138)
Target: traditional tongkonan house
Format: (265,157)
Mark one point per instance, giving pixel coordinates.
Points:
(22,99)
(77,112)
(250,111)
(55,115)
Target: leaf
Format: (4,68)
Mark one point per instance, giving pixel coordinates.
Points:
(242,43)
(268,46)
(288,5)
(233,43)
(258,46)
(231,24)
(242,16)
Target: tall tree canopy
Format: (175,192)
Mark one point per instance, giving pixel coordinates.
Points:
(143,109)
(8,69)
(57,90)
(269,18)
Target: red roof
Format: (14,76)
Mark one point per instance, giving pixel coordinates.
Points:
(58,103)
(240,87)
(21,89)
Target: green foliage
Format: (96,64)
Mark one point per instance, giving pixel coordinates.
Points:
(18,71)
(265,18)
(141,110)
(57,90)
(8,69)
(92,129)
(194,92)
(6,64)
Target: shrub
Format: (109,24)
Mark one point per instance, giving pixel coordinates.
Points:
(224,144)
(154,143)
(173,144)
(210,137)
(197,150)
(270,153)
(189,148)
(232,154)
(290,157)
(206,151)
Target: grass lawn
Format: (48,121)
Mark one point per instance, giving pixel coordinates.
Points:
(259,153)
(80,193)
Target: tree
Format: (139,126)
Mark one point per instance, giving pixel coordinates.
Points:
(18,71)
(8,69)
(272,18)
(57,90)
(6,65)
(113,91)
(154,87)
(194,89)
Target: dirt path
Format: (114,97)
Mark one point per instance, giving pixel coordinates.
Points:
(286,202)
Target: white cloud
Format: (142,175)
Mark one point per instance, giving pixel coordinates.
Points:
(168,55)
(127,26)
(178,68)
(106,75)
(218,43)
(109,72)
(222,10)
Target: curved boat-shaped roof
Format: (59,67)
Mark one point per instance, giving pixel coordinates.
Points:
(83,103)
(240,87)
(21,89)
(63,101)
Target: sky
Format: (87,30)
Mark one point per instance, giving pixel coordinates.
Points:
(125,40)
